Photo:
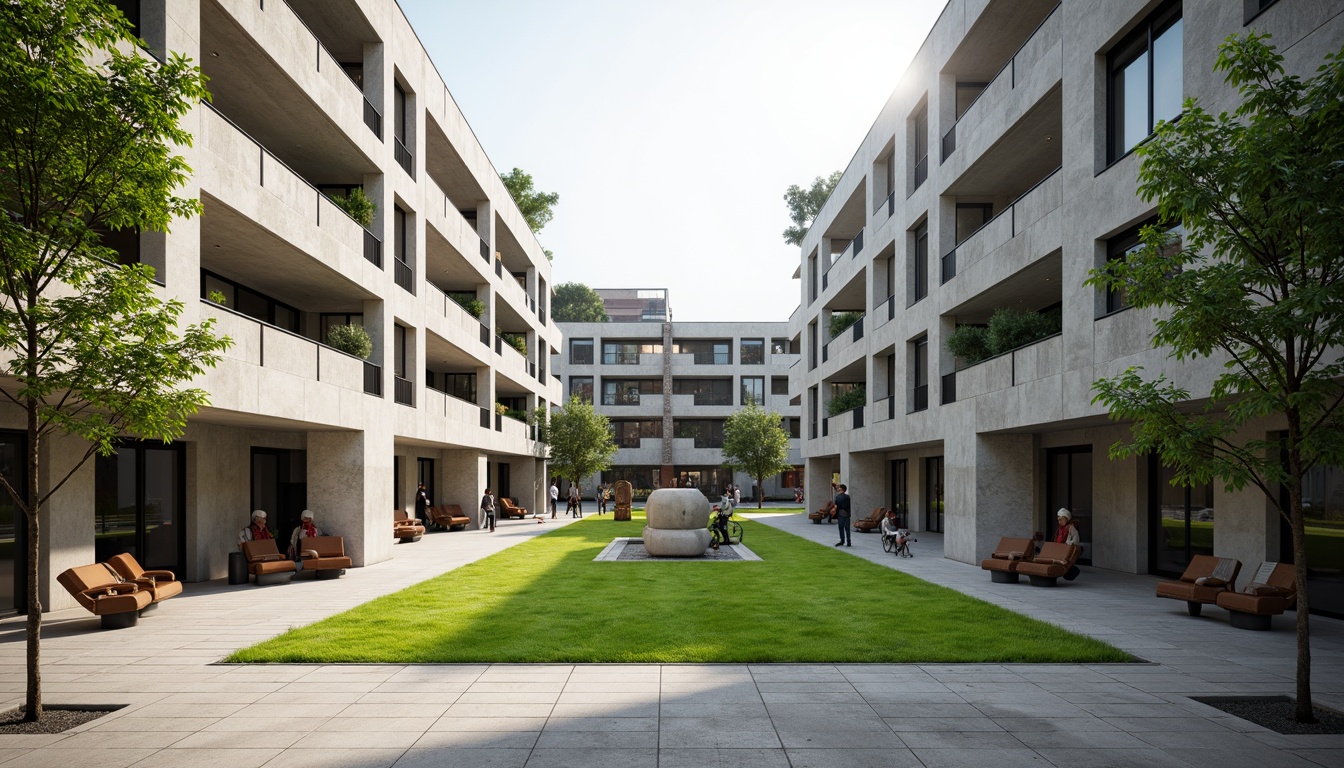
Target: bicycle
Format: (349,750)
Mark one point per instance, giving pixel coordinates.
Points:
(898,545)
(734,530)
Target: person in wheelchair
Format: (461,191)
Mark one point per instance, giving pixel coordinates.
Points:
(894,538)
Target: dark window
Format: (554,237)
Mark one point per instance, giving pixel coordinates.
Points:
(779,385)
(812,345)
(139,503)
(780,346)
(1145,72)
(582,388)
(256,305)
(900,490)
(1251,9)
(628,432)
(580,351)
(628,352)
(629,391)
(970,218)
(752,352)
(459,385)
(399,344)
(329,320)
(753,390)
(707,433)
(706,351)
(933,494)
(1120,247)
(812,413)
(399,112)
(131,10)
(921,374)
(920,257)
(967,93)
(705,391)
(921,132)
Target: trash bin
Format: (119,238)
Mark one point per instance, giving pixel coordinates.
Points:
(237,568)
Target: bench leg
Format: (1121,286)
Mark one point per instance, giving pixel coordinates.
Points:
(1193,607)
(120,620)
(1043,581)
(329,573)
(1003,577)
(1253,621)
(267,579)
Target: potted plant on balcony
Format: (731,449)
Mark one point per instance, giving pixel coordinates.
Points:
(357,205)
(1007,330)
(350,339)
(468,301)
(841,321)
(847,401)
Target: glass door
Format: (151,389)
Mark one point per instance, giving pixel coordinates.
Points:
(280,488)
(139,505)
(1180,521)
(13,523)
(900,491)
(933,494)
(1068,479)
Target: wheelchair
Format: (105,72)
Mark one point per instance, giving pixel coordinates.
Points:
(899,543)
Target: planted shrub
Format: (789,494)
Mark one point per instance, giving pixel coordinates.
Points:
(358,205)
(516,340)
(841,321)
(350,339)
(468,301)
(846,401)
(1008,329)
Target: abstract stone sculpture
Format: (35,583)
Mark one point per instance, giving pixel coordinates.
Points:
(678,523)
(623,498)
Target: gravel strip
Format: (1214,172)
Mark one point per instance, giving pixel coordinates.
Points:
(54,719)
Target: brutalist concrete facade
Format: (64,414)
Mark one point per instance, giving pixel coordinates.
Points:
(989,180)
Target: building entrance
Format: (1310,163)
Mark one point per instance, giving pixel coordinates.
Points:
(139,505)
(13,523)
(280,487)
(1068,480)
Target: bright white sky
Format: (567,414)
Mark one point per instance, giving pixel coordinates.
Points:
(671,130)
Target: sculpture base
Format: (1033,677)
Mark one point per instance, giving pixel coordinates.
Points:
(662,542)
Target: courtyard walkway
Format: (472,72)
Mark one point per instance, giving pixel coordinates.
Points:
(184,709)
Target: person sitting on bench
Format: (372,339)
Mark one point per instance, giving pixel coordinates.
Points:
(257,531)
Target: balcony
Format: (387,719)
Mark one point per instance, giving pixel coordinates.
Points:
(1029,207)
(404,275)
(403,157)
(403,391)
(1018,70)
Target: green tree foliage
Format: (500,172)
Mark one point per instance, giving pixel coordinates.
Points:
(1008,329)
(577,303)
(90,350)
(350,339)
(754,442)
(1257,282)
(841,322)
(847,400)
(358,205)
(580,441)
(535,205)
(805,204)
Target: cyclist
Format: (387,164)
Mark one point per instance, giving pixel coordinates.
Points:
(723,512)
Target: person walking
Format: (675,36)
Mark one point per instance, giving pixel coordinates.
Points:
(842,516)
(555,496)
(573,500)
(487,517)
(422,503)
(602,499)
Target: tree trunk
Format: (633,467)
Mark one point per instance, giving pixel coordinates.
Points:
(33,704)
(1303,712)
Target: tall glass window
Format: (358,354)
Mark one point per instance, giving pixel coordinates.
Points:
(920,268)
(582,388)
(1145,80)
(753,390)
(752,352)
(1181,521)
(580,351)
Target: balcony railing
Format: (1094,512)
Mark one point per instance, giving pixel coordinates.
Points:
(1041,198)
(921,398)
(373,119)
(403,391)
(373,379)
(1005,79)
(949,388)
(921,171)
(620,358)
(404,276)
(373,249)
(609,398)
(403,157)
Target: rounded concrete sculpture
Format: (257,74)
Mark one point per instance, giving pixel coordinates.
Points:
(678,523)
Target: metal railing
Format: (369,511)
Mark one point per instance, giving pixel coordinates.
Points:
(921,171)
(373,249)
(403,157)
(921,398)
(373,379)
(404,275)
(403,391)
(620,358)
(949,388)
(373,118)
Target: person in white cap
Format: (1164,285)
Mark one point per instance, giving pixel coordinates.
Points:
(257,531)
(304,530)
(1067,533)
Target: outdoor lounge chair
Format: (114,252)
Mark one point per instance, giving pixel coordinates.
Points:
(266,563)
(1203,580)
(118,603)
(1007,557)
(324,555)
(1054,560)
(404,528)
(827,513)
(161,585)
(1270,592)
(872,522)
(507,508)
(448,517)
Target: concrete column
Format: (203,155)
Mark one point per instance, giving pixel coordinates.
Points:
(866,475)
(817,490)
(987,487)
(462,481)
(525,481)
(65,527)
(219,493)
(347,481)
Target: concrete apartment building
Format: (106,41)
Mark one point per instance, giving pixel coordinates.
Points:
(667,388)
(998,174)
(313,98)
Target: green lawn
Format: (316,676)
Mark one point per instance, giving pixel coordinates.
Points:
(547,601)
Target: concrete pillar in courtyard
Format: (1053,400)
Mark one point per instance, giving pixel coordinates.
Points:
(988,492)
(65,536)
(866,476)
(349,480)
(462,481)
(817,483)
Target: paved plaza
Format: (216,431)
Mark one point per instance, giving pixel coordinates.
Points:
(185,709)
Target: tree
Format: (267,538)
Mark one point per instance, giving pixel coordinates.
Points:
(754,442)
(580,441)
(805,204)
(1258,282)
(535,205)
(88,124)
(577,303)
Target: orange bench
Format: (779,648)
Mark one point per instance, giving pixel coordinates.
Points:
(161,585)
(118,603)
(324,555)
(1054,560)
(404,528)
(266,563)
(1008,556)
(508,509)
(872,522)
(827,513)
(1204,579)
(1270,592)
